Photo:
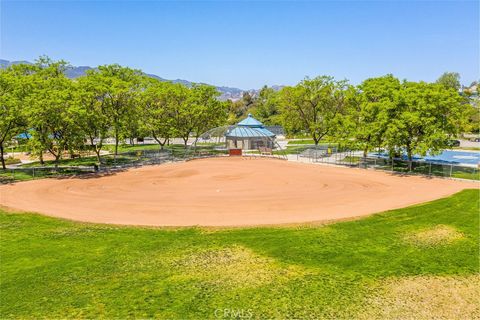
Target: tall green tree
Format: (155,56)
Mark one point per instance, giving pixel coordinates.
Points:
(266,106)
(13,90)
(472,116)
(209,111)
(159,102)
(373,106)
(239,109)
(121,87)
(425,118)
(450,80)
(198,111)
(95,118)
(472,108)
(132,122)
(181,121)
(314,105)
(52,112)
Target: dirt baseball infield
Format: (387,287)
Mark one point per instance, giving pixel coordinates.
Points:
(225,192)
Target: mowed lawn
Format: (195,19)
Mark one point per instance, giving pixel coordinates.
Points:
(421,262)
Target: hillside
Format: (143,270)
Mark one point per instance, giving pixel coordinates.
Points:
(78,71)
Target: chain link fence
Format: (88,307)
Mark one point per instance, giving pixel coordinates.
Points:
(109,163)
(328,154)
(335,155)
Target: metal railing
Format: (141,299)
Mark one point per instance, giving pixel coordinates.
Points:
(109,163)
(351,158)
(320,154)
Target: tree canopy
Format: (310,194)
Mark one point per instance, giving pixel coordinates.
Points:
(426,117)
(450,80)
(12,97)
(370,112)
(65,115)
(51,110)
(314,105)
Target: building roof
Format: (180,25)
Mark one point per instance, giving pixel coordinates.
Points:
(250,121)
(249,132)
(249,128)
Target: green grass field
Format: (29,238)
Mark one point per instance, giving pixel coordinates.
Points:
(405,263)
(352,159)
(302,141)
(109,159)
(137,147)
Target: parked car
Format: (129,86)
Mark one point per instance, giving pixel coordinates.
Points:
(453,143)
(476,139)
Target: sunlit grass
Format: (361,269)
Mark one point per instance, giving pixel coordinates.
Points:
(54,268)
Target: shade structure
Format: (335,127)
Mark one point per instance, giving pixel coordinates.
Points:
(248,138)
(250,134)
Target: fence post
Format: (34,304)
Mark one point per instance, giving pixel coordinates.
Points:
(451,169)
(430,169)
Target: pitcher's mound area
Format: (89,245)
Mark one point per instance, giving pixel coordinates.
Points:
(225,192)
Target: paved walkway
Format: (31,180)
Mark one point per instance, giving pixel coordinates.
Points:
(324,160)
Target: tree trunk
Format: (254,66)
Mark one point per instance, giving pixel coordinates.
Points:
(41,158)
(116,143)
(409,153)
(57,158)
(97,152)
(95,148)
(185,141)
(158,141)
(1,157)
(162,144)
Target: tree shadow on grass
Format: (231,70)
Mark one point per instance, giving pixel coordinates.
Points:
(375,246)
(9,178)
(89,175)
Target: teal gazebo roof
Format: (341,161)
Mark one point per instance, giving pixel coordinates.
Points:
(249,128)
(250,122)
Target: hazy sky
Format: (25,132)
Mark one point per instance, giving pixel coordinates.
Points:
(250,43)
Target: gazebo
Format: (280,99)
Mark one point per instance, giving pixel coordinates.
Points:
(249,134)
(249,137)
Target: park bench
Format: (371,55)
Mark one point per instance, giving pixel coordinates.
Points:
(265,151)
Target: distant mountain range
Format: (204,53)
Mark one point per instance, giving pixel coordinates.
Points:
(226,92)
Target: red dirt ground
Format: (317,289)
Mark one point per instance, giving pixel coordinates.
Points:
(225,192)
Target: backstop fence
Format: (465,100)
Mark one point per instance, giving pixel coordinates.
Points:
(335,155)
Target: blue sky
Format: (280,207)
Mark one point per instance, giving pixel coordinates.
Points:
(248,44)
